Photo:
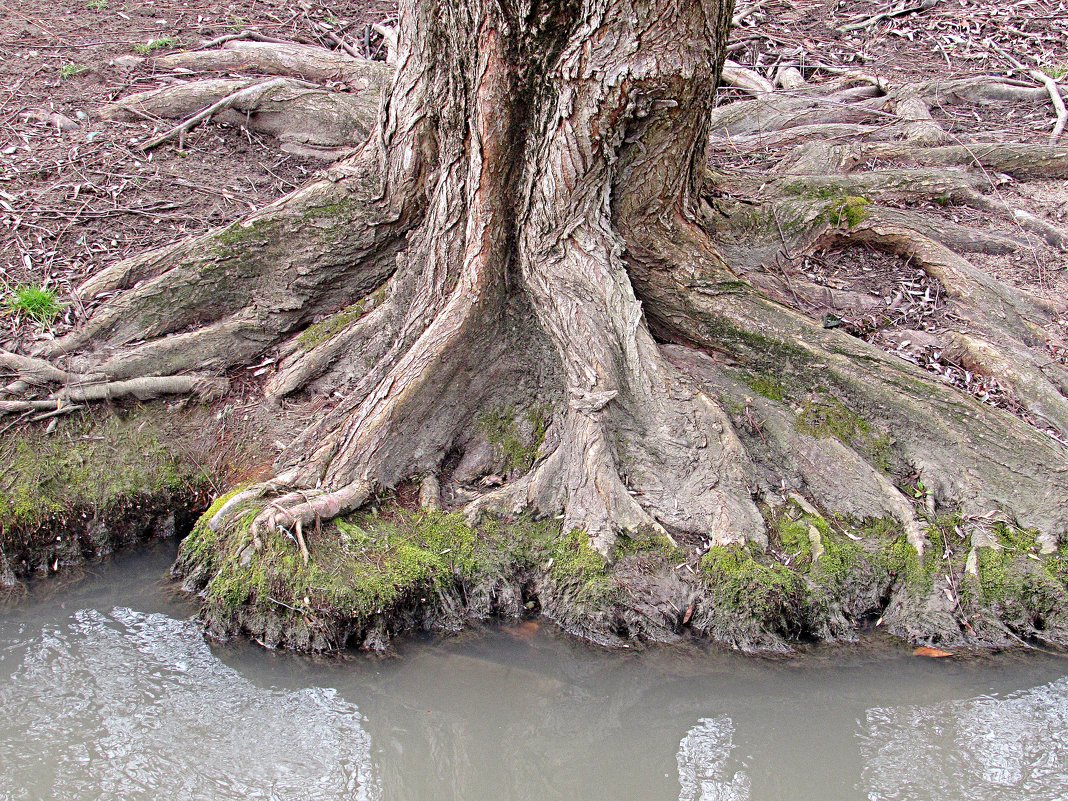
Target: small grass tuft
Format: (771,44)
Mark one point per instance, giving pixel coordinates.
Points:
(68,71)
(1056,71)
(97,5)
(147,48)
(35,303)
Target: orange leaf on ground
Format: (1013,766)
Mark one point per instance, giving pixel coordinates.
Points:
(933,653)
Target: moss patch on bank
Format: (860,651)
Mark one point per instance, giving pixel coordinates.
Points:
(91,484)
(398,569)
(754,599)
(1016,585)
(373,575)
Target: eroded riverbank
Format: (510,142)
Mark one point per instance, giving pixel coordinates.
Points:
(109,690)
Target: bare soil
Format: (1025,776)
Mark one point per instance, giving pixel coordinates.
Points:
(76,193)
(72,201)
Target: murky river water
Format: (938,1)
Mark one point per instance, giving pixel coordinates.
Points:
(108,691)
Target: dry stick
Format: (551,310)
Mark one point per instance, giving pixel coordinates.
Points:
(73,407)
(333,37)
(250,93)
(389,38)
(324,30)
(859,26)
(1051,87)
(739,18)
(1058,103)
(254,36)
(7,406)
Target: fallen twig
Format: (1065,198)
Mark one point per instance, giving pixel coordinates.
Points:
(901,12)
(1051,86)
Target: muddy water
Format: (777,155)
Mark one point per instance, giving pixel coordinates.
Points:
(108,691)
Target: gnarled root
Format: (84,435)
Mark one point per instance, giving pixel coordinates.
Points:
(295,108)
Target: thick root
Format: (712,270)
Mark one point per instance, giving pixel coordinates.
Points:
(285,59)
(304,117)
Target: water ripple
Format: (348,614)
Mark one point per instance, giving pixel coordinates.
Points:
(703,758)
(135,706)
(996,749)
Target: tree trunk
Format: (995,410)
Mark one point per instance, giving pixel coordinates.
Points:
(533,130)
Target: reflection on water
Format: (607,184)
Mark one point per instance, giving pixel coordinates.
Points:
(129,705)
(995,749)
(108,691)
(704,754)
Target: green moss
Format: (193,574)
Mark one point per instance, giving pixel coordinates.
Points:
(840,558)
(86,465)
(342,209)
(329,327)
(650,543)
(843,209)
(849,211)
(767,386)
(238,235)
(829,190)
(901,562)
(361,565)
(881,452)
(501,429)
(522,543)
(573,561)
(1057,564)
(767,593)
(760,354)
(880,529)
(730,288)
(826,417)
(1014,572)
(200,548)
(944,551)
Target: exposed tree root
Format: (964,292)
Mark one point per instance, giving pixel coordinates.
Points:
(570,258)
(305,117)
